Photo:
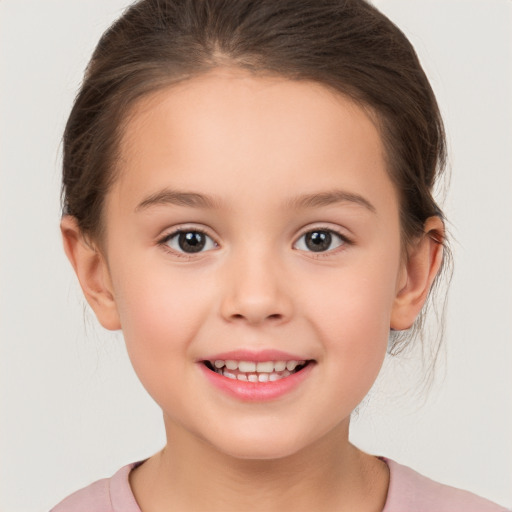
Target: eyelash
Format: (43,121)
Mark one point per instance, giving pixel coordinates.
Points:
(163,242)
(345,241)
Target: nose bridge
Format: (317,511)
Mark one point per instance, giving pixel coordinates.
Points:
(254,285)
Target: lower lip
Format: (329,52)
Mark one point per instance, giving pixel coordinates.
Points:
(257,391)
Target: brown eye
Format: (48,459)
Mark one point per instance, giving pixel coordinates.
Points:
(190,241)
(319,240)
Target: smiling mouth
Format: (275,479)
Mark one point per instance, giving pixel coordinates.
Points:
(252,371)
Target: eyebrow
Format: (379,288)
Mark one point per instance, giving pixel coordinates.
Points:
(328,198)
(179,198)
(196,200)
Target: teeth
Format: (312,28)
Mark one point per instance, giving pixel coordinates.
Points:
(252,371)
(267,367)
(250,366)
(260,367)
(290,365)
(279,366)
(255,377)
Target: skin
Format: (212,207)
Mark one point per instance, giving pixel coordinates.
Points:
(254,143)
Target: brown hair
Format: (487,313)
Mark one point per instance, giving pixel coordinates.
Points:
(346,45)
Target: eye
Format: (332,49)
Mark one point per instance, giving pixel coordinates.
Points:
(189,241)
(320,240)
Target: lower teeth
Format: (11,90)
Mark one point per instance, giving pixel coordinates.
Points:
(254,377)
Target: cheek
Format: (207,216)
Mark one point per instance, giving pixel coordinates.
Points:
(356,331)
(356,302)
(160,317)
(351,315)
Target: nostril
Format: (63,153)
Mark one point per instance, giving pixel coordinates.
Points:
(274,316)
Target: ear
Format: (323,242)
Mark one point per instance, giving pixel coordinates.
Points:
(424,260)
(92,272)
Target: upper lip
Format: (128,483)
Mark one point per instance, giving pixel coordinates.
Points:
(257,356)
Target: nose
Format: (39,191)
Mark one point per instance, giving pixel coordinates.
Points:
(255,290)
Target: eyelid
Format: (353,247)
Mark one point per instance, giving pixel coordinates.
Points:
(172,232)
(347,241)
(163,240)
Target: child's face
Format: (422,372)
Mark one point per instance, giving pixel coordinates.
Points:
(273,170)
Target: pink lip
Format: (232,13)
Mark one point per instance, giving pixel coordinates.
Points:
(259,356)
(256,391)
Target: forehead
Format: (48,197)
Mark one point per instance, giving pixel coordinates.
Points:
(253,133)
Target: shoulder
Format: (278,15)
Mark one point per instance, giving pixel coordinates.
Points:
(411,492)
(106,495)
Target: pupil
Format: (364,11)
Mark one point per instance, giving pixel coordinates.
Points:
(191,241)
(318,241)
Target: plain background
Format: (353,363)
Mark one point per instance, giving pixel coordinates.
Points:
(72,410)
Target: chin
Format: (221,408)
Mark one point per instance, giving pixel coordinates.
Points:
(272,446)
(245,452)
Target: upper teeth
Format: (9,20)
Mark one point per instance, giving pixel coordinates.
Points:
(260,367)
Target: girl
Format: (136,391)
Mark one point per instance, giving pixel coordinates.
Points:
(248,197)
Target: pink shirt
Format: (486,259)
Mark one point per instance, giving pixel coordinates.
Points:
(408,492)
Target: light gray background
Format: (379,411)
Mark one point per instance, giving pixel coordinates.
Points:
(72,410)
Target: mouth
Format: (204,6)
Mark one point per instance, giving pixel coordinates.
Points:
(261,376)
(256,371)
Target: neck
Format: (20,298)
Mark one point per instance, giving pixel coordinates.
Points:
(190,474)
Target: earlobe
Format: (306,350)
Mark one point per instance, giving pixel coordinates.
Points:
(92,272)
(424,261)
